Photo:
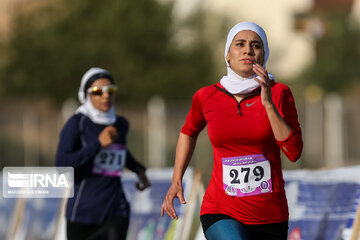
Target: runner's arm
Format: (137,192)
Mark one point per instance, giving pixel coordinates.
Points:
(184,150)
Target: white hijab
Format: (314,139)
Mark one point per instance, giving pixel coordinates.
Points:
(87,108)
(232,82)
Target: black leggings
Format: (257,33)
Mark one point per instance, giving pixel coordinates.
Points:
(114,228)
(220,226)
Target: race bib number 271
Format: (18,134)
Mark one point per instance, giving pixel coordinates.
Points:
(110,161)
(246,175)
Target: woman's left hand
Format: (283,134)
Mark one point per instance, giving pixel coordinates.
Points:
(144,181)
(265,84)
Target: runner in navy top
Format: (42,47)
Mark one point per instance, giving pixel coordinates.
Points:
(93,142)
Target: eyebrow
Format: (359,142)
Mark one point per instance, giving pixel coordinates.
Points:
(243,40)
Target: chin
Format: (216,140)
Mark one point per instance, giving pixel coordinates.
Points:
(246,74)
(104,109)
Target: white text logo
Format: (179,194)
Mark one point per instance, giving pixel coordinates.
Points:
(38,182)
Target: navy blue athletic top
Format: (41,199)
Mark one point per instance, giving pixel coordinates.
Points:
(96,196)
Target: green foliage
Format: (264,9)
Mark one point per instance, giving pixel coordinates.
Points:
(337,64)
(50,52)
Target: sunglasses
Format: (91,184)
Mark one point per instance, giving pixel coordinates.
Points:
(98,91)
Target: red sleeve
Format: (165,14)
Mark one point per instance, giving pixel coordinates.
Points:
(195,120)
(292,146)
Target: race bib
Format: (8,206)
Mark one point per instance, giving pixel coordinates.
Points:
(110,160)
(246,175)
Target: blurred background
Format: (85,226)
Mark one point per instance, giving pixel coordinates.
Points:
(160,52)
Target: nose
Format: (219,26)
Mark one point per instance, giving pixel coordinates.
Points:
(248,49)
(106,94)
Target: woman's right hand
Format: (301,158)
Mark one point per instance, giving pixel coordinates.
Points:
(184,150)
(175,191)
(108,136)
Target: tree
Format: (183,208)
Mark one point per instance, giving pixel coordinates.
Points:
(338,52)
(51,50)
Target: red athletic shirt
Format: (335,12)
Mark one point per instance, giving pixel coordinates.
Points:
(243,129)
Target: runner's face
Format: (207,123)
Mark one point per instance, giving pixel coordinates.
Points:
(245,50)
(105,101)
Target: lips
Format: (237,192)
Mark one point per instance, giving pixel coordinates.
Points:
(247,60)
(107,104)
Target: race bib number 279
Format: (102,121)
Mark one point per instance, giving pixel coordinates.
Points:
(246,175)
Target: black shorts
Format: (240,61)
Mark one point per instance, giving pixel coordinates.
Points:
(114,228)
(272,231)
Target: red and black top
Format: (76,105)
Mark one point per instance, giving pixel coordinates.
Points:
(237,130)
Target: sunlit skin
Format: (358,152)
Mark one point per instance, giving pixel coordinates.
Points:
(106,100)
(246,57)
(245,50)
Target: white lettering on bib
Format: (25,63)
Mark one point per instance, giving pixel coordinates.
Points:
(246,175)
(110,160)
